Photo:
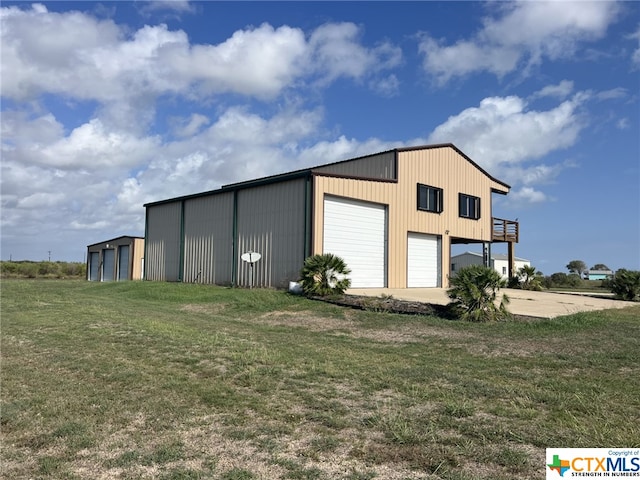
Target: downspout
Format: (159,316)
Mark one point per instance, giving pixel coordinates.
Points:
(234,241)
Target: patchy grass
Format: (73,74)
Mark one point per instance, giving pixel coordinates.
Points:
(175,381)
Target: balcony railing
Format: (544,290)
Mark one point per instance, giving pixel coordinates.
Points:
(505,230)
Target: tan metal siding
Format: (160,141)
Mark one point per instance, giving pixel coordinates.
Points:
(382,166)
(270,221)
(163,242)
(137,256)
(446,169)
(208,239)
(439,167)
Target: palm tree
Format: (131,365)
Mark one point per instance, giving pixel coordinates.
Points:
(324,275)
(473,294)
(529,278)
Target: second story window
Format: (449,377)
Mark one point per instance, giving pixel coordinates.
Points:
(429,198)
(469,206)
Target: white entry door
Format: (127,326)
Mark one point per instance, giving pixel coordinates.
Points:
(423,260)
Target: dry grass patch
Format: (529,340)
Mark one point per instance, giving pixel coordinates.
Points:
(305,319)
(206,308)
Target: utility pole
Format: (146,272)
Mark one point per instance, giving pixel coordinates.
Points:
(49,254)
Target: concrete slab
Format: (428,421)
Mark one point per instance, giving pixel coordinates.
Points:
(523,302)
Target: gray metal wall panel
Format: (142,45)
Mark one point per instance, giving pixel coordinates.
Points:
(271,221)
(381,166)
(162,262)
(208,242)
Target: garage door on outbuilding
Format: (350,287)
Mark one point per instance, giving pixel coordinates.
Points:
(108,259)
(356,231)
(94,266)
(123,262)
(423,260)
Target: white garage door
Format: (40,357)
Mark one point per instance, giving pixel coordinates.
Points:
(357,232)
(423,260)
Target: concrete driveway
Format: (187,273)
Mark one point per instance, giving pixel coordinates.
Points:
(523,302)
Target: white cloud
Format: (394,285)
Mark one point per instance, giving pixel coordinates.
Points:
(465,57)
(523,175)
(92,147)
(19,131)
(519,35)
(255,62)
(97,225)
(335,52)
(387,87)
(611,94)
(342,148)
(238,145)
(81,57)
(179,6)
(501,130)
(622,124)
(506,138)
(527,195)
(46,51)
(561,90)
(635,57)
(41,200)
(187,127)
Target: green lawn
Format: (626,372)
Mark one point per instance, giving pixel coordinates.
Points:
(173,381)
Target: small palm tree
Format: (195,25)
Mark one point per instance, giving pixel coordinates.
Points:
(473,294)
(529,278)
(324,275)
(626,284)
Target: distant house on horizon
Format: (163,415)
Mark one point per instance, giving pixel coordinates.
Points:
(499,262)
(599,274)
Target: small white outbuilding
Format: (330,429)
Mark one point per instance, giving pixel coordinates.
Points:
(499,262)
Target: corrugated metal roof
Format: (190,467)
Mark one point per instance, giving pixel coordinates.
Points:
(114,239)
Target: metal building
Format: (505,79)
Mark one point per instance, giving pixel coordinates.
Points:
(392,216)
(118,259)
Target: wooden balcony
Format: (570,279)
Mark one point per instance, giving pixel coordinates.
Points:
(505,230)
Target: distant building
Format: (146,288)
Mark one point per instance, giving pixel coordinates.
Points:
(499,262)
(599,274)
(117,259)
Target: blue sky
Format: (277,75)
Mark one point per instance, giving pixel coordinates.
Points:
(107,106)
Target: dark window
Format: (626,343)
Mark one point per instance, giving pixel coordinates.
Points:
(429,198)
(469,206)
